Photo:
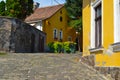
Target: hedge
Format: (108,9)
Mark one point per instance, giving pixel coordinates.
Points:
(62,47)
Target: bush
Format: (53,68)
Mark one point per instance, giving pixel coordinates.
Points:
(66,47)
(51,47)
(69,47)
(58,47)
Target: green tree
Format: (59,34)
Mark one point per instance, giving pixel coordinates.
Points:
(19,8)
(74,9)
(26,8)
(13,8)
(2,8)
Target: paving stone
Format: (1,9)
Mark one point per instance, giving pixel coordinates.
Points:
(45,67)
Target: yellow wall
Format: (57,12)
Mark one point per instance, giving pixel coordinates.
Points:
(102,58)
(54,22)
(105,60)
(108,26)
(86,26)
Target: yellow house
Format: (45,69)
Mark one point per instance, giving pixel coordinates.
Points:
(101,31)
(52,20)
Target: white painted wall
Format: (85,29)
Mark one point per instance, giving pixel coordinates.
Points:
(38,25)
(116,21)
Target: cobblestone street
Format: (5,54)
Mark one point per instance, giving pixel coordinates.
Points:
(45,67)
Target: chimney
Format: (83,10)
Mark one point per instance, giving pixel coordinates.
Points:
(35,5)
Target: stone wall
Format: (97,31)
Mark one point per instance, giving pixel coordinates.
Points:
(17,36)
(113,72)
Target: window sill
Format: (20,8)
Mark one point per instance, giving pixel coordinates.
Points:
(55,38)
(93,50)
(115,47)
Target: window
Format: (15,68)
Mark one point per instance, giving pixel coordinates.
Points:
(69,38)
(115,47)
(61,34)
(55,33)
(98,26)
(61,18)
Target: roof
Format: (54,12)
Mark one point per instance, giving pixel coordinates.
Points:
(43,13)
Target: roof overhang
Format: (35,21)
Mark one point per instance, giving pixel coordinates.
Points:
(34,21)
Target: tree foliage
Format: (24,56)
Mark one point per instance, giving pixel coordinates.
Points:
(2,8)
(74,9)
(76,24)
(13,8)
(18,8)
(26,8)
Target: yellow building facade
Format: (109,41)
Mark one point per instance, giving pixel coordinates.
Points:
(59,22)
(53,20)
(101,31)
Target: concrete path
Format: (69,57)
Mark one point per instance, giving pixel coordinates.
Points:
(45,67)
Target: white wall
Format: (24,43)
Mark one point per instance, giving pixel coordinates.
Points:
(116,21)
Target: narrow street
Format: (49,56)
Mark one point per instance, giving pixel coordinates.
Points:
(45,67)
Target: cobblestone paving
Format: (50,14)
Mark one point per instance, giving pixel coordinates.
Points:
(45,67)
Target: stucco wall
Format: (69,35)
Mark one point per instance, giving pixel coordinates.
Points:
(105,57)
(86,26)
(17,36)
(54,22)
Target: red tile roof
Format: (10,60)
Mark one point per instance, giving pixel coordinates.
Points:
(43,13)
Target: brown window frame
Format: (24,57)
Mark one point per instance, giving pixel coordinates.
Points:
(98,27)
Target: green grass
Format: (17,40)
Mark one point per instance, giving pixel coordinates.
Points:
(3,53)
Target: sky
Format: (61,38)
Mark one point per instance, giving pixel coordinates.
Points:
(44,3)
